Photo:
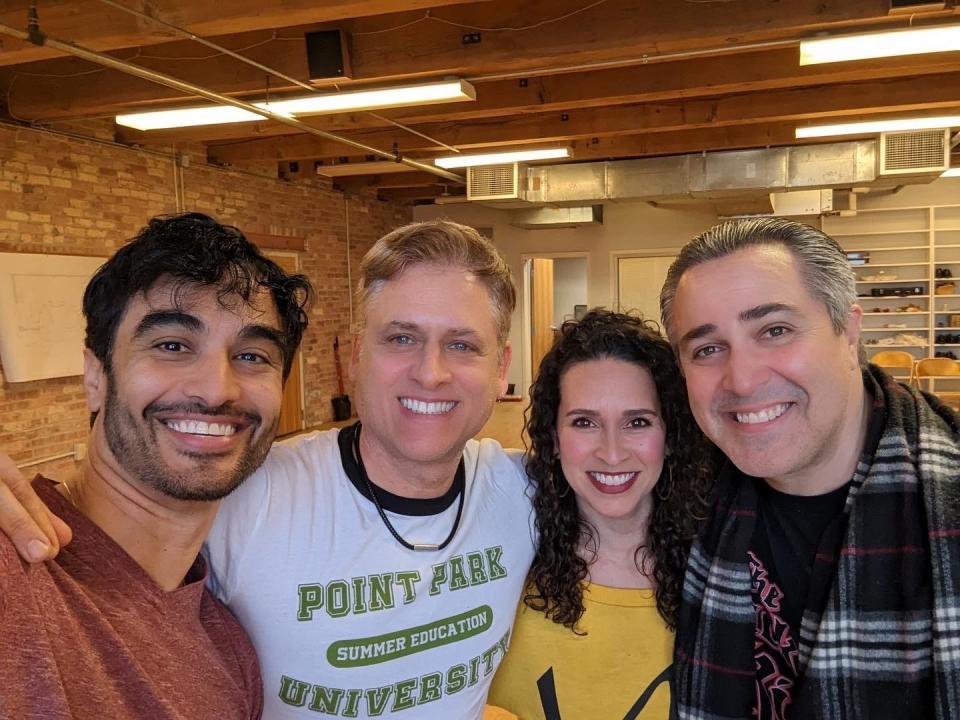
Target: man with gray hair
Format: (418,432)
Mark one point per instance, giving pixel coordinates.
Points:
(826,583)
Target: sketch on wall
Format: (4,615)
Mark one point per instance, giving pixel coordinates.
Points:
(41,320)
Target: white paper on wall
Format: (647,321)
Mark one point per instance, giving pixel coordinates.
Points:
(41,321)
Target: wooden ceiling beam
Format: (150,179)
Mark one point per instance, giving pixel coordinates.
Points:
(100,27)
(409,195)
(688,79)
(361,167)
(932,93)
(610,32)
(356,183)
(685,141)
(690,141)
(628,30)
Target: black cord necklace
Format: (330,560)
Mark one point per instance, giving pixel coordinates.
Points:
(383,515)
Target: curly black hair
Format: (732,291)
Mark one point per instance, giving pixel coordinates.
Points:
(192,249)
(679,496)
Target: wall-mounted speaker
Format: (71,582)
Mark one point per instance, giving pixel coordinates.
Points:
(915,6)
(328,54)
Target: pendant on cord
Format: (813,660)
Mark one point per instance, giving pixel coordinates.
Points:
(419,547)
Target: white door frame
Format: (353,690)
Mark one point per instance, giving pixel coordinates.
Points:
(615,256)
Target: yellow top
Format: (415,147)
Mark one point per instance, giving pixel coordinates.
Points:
(598,676)
(491,712)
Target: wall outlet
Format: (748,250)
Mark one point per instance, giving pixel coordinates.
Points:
(79,451)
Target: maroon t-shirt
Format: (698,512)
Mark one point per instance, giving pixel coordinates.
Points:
(91,635)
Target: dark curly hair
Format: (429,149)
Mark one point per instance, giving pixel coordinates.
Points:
(556,576)
(192,249)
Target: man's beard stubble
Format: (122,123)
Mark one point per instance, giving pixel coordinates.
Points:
(134,444)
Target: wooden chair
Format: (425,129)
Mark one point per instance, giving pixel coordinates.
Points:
(930,368)
(934,367)
(893,359)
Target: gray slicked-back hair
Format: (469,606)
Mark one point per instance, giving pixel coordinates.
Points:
(823,264)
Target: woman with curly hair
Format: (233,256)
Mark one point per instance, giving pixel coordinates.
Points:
(619,471)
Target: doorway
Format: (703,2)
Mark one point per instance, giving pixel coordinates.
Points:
(291,409)
(555,289)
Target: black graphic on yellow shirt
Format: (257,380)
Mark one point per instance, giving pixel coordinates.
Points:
(551,708)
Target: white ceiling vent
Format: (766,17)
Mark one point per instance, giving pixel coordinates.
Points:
(542,218)
(493,182)
(801,202)
(909,153)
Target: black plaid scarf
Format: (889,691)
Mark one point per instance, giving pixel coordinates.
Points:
(887,644)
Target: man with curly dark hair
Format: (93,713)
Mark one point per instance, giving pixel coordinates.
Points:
(620,470)
(826,583)
(190,333)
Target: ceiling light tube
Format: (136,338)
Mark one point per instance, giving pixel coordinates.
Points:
(915,41)
(189,117)
(459,161)
(319,104)
(952,172)
(423,94)
(877,126)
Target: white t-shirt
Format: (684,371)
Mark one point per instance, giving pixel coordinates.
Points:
(349,623)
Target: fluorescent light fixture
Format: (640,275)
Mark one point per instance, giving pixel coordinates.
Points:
(952,172)
(459,161)
(188,117)
(423,94)
(881,44)
(319,104)
(877,126)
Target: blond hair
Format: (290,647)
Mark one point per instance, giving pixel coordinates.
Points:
(444,244)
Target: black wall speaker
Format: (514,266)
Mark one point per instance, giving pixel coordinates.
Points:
(328,54)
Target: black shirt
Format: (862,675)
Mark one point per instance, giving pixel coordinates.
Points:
(787,537)
(792,559)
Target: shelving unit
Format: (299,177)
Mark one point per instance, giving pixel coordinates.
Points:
(946,307)
(903,249)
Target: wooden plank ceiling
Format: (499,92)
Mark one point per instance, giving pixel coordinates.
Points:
(611,79)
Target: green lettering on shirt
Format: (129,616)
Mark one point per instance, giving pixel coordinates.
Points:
(403,694)
(478,575)
(406,580)
(439,578)
(377,699)
(381,591)
(293,692)
(458,578)
(338,598)
(326,700)
(456,679)
(311,598)
(430,688)
(494,566)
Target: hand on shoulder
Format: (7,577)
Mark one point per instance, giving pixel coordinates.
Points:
(36,532)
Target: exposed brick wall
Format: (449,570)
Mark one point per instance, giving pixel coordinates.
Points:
(78,197)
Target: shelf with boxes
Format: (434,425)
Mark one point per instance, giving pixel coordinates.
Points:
(946,284)
(891,254)
(907,262)
(894,281)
